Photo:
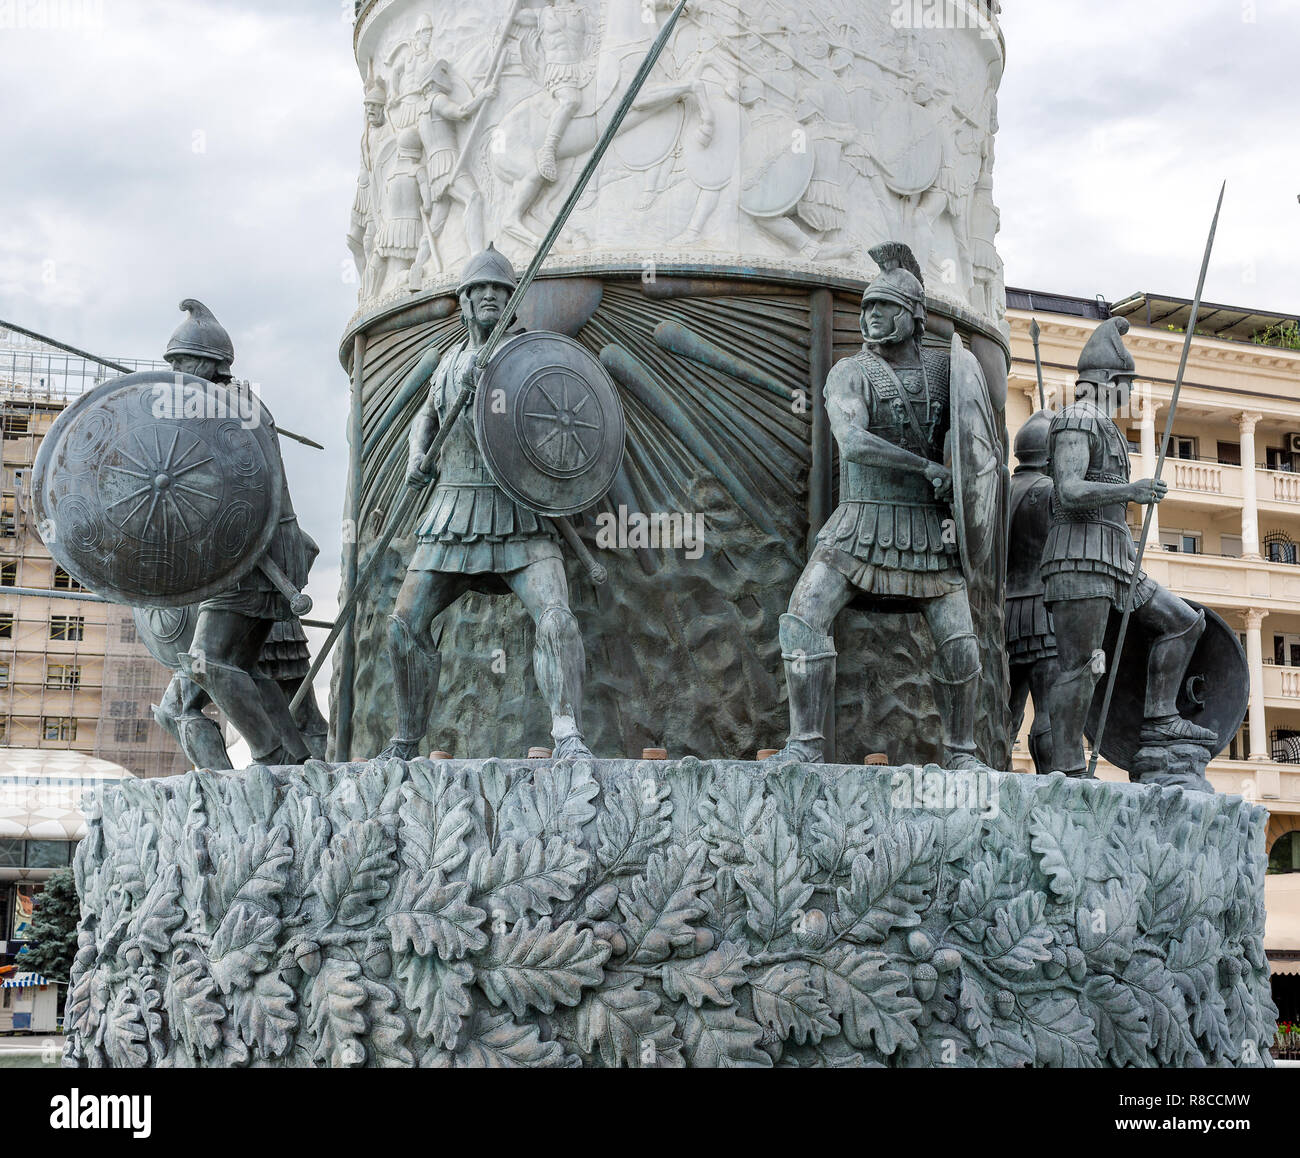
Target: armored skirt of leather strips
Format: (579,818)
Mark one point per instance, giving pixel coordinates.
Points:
(285,655)
(1030,635)
(894,550)
(476,529)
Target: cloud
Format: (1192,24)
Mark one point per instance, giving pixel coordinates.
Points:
(1119,121)
(194,150)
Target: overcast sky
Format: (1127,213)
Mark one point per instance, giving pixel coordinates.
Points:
(189,148)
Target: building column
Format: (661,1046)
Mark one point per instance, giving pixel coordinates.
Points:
(1253,621)
(1147,432)
(1249,494)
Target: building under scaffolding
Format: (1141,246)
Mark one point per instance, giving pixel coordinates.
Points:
(73,676)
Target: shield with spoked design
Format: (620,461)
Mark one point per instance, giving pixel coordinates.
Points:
(549,423)
(159,489)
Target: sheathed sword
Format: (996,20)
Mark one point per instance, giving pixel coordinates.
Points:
(1160,466)
(429,462)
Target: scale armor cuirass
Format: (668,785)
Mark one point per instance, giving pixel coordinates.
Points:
(1090,552)
(889,518)
(472,526)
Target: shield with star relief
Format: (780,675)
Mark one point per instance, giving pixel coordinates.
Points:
(549,423)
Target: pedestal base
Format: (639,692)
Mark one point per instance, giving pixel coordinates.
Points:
(1173,766)
(666,913)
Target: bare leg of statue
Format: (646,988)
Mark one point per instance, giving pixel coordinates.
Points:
(956,675)
(1042,680)
(181,715)
(415,662)
(221,661)
(1080,633)
(1175,629)
(559,660)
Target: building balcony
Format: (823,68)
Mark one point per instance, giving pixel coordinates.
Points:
(1220,484)
(1226,582)
(1281,686)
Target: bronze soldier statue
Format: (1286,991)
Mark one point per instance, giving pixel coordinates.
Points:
(1089,561)
(474,537)
(232,626)
(1031,642)
(888,542)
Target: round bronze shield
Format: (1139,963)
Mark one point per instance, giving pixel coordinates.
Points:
(549,423)
(977,465)
(166,631)
(1215,692)
(159,489)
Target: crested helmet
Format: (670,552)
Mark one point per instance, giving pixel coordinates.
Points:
(900,281)
(1104,357)
(201,336)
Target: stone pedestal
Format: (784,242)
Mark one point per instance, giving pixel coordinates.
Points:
(666,913)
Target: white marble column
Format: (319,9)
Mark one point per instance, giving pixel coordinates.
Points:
(1253,621)
(1147,431)
(1249,495)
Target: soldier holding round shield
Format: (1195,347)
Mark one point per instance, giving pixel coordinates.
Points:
(475,537)
(232,626)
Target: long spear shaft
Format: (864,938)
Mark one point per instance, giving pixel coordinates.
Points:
(1160,466)
(430,460)
(492,76)
(124,370)
(1034,330)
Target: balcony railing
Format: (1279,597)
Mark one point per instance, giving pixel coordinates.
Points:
(1203,477)
(1286,486)
(1281,683)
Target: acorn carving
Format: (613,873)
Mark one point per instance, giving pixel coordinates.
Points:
(308,957)
(379,960)
(946,960)
(1075,963)
(924,981)
(600,904)
(812,929)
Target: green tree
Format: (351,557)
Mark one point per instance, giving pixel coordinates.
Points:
(54,928)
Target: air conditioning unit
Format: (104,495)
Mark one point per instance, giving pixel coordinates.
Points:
(1293,441)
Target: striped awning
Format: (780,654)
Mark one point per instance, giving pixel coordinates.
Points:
(24,981)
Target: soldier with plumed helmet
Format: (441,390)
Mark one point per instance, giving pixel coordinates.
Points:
(474,537)
(888,542)
(1089,560)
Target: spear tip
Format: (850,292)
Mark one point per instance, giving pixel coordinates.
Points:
(1034,329)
